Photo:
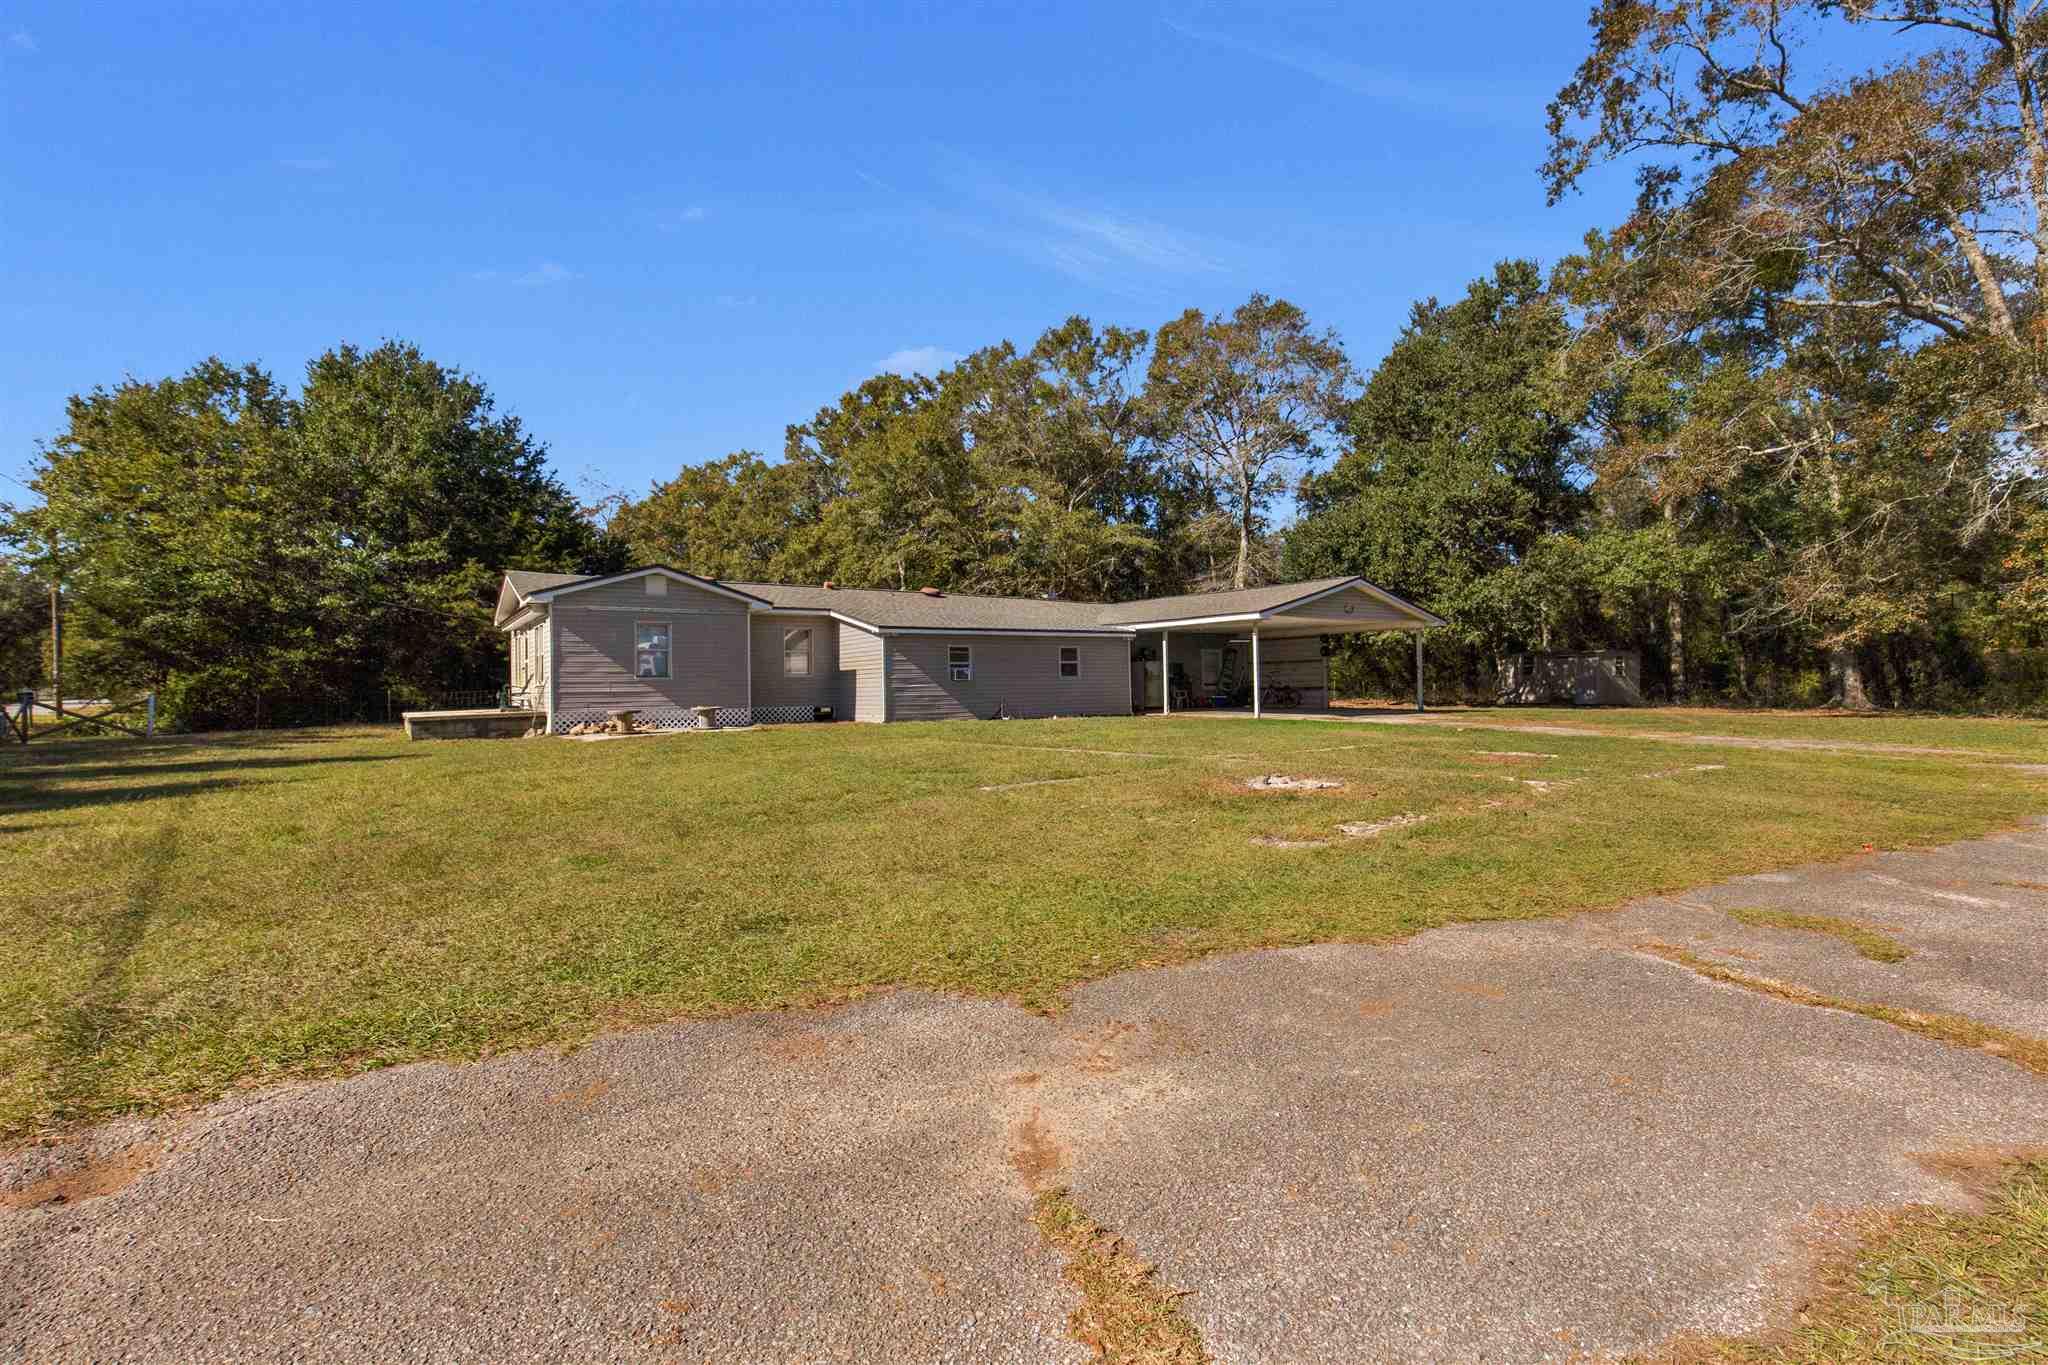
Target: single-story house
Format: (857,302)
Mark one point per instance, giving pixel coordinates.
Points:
(660,642)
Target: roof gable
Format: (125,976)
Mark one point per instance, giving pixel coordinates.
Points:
(578,583)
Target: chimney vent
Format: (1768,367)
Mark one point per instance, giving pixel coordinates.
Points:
(931,592)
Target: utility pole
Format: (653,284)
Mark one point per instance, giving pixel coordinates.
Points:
(56,648)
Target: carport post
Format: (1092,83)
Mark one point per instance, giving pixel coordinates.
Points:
(1418,671)
(1165,677)
(1255,672)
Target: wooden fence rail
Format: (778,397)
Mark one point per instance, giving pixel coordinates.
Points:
(22,722)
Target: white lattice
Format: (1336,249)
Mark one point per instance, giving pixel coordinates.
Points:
(666,718)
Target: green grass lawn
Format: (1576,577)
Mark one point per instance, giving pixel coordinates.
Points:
(179,917)
(2018,737)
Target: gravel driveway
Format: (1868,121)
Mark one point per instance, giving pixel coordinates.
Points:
(1509,1142)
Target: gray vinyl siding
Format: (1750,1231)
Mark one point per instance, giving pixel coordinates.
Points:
(862,692)
(773,687)
(594,648)
(1360,610)
(1018,673)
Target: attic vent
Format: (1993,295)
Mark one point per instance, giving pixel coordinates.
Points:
(931,592)
(657,586)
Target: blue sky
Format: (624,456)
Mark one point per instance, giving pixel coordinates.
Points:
(659,233)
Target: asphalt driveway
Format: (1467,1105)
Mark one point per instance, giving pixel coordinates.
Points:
(1511,1142)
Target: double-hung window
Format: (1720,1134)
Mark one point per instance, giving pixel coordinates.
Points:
(651,649)
(796,653)
(960,663)
(1070,661)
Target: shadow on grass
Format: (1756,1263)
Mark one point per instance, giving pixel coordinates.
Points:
(24,789)
(99,1017)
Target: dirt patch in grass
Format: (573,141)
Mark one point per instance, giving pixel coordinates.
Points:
(1922,1285)
(1126,1315)
(1282,782)
(1864,939)
(93,1179)
(1275,841)
(2024,886)
(1958,1030)
(1372,829)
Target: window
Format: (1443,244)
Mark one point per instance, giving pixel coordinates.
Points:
(1070,661)
(650,650)
(796,653)
(960,663)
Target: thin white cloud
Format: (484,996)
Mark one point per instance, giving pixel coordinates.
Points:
(1088,241)
(547,272)
(695,213)
(309,164)
(925,360)
(21,40)
(1465,100)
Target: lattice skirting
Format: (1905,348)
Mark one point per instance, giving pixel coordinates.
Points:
(677,718)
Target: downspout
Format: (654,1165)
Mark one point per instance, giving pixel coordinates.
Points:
(553,672)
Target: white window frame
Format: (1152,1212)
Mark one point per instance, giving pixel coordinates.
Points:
(668,651)
(1063,661)
(810,651)
(960,669)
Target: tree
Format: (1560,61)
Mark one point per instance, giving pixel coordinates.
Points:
(1844,276)
(1063,435)
(1462,461)
(177,520)
(24,626)
(1245,403)
(242,550)
(730,518)
(429,495)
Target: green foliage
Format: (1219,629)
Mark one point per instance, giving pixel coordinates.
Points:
(242,550)
(1461,472)
(24,628)
(1245,404)
(1022,472)
(1818,334)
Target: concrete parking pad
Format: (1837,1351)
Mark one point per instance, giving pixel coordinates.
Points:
(1522,1141)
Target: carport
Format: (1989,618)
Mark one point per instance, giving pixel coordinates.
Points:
(1274,627)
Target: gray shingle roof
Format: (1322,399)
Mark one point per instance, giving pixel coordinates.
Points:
(892,610)
(1231,602)
(526,582)
(888,609)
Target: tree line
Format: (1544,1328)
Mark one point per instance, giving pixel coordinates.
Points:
(1779,430)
